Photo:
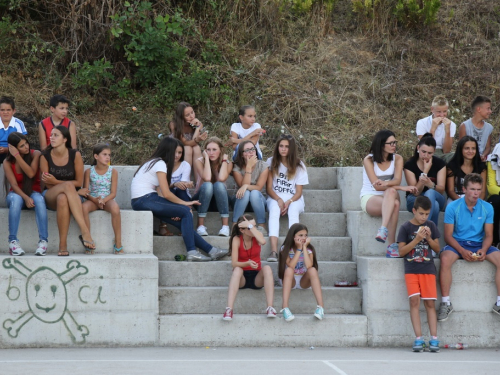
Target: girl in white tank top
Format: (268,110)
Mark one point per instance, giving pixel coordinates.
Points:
(379,196)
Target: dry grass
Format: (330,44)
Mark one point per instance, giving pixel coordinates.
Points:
(332,86)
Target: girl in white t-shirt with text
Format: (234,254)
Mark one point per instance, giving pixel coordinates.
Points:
(246,130)
(179,183)
(287,176)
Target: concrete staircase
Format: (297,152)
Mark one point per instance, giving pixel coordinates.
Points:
(193,296)
(146,298)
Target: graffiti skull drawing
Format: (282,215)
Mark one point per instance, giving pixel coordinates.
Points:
(47,298)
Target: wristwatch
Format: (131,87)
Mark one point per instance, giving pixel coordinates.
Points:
(250,226)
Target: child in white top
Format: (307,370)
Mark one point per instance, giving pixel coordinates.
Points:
(248,129)
(298,269)
(99,187)
(284,188)
(179,183)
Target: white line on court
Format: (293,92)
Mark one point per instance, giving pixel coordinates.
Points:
(339,371)
(245,360)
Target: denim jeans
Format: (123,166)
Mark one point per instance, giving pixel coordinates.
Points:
(437,201)
(251,201)
(181,194)
(165,211)
(213,197)
(16,203)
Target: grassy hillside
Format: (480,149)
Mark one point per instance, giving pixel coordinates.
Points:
(328,75)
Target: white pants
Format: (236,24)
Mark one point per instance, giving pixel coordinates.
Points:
(294,210)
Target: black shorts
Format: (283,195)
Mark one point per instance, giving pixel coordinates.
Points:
(250,279)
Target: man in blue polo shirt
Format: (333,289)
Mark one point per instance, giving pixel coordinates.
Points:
(10,124)
(468,232)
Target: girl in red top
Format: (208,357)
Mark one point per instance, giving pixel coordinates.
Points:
(23,177)
(244,248)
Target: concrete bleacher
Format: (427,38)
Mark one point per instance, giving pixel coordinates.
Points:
(146,298)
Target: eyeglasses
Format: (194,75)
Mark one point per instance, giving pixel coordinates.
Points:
(286,136)
(249,150)
(393,143)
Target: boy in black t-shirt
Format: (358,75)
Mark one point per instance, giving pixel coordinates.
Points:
(417,238)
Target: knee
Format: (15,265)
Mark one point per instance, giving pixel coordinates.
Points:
(429,303)
(289,272)
(15,201)
(415,301)
(267,270)
(313,272)
(115,210)
(238,271)
(446,261)
(391,192)
(219,186)
(207,188)
(62,200)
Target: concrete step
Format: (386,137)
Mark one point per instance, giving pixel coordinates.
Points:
(193,274)
(327,248)
(319,179)
(257,330)
(137,227)
(100,300)
(473,294)
(362,228)
(318,224)
(213,300)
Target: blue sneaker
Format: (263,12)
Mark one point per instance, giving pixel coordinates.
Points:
(319,313)
(418,345)
(287,314)
(392,251)
(434,345)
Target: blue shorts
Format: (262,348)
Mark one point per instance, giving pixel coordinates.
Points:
(471,246)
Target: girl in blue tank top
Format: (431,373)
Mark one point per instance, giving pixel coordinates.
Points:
(99,188)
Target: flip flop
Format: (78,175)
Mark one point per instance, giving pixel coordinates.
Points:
(118,250)
(88,245)
(63,253)
(163,230)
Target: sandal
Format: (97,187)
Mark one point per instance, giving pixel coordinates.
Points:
(118,250)
(63,253)
(273,258)
(88,245)
(163,230)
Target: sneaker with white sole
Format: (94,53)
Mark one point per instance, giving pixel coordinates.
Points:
(444,311)
(392,251)
(42,248)
(196,256)
(202,230)
(224,231)
(496,309)
(287,314)
(382,234)
(418,345)
(216,253)
(271,312)
(228,315)
(15,249)
(434,345)
(319,313)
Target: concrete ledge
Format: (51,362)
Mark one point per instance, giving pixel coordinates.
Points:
(327,248)
(318,224)
(385,303)
(350,181)
(212,300)
(362,228)
(137,229)
(204,274)
(257,330)
(101,300)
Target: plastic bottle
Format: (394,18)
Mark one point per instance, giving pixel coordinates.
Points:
(458,346)
(180,258)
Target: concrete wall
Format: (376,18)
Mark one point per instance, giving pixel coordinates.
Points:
(100,300)
(385,303)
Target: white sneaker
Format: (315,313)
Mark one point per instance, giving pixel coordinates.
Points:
(42,248)
(271,312)
(15,248)
(202,230)
(224,231)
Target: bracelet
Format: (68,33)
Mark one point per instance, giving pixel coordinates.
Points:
(16,154)
(248,172)
(291,200)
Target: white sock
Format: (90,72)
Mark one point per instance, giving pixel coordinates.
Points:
(446,300)
(498,300)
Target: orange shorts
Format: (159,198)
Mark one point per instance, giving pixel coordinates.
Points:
(423,285)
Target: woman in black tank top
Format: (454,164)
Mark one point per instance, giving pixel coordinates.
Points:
(62,173)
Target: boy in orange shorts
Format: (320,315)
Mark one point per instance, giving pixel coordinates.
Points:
(417,238)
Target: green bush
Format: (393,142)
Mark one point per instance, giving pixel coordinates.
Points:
(92,77)
(408,13)
(158,52)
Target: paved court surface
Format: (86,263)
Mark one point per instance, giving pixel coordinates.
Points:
(251,361)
